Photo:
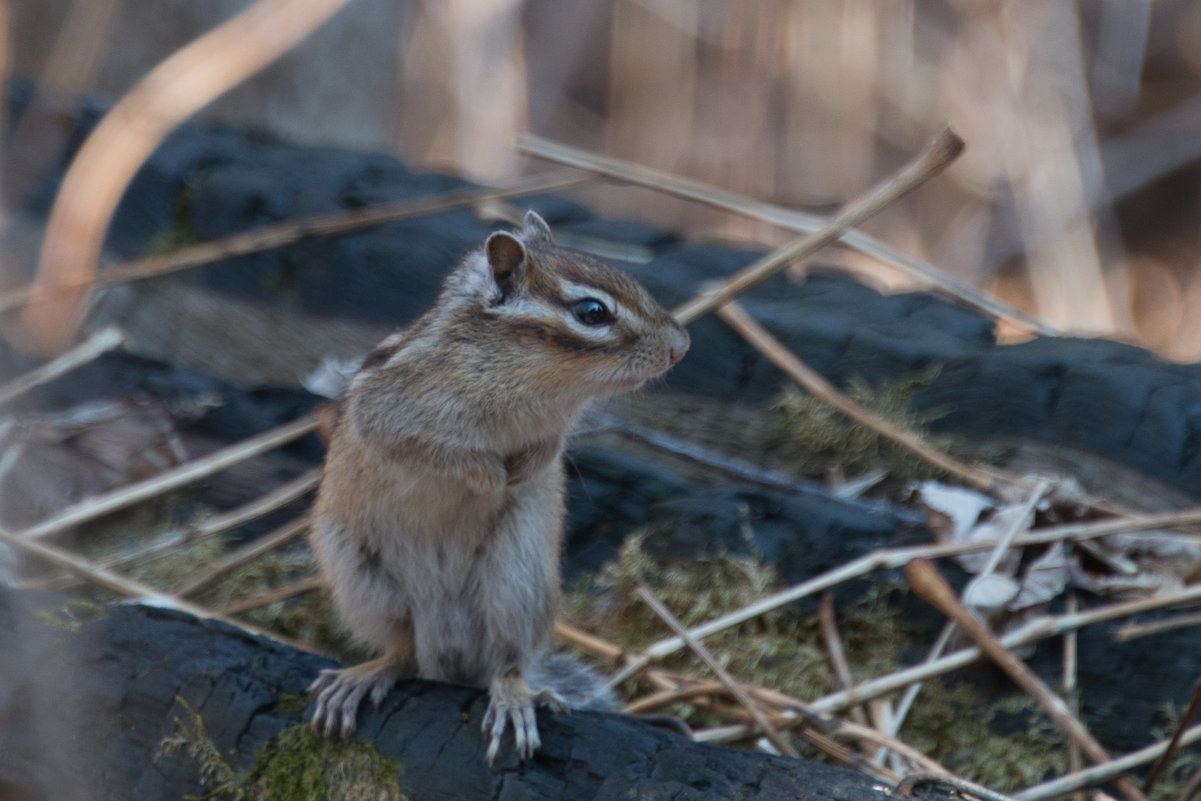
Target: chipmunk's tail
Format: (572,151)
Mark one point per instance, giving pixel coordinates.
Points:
(579,685)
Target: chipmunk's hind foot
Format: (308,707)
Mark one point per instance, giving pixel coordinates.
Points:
(338,693)
(511,701)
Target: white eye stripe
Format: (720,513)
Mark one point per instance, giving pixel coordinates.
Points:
(529,309)
(596,332)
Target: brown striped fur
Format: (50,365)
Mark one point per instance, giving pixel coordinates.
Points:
(439,518)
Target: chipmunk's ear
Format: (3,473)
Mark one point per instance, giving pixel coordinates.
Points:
(535,228)
(505,255)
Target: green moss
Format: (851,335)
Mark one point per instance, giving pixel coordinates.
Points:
(291,705)
(295,765)
(298,765)
(192,739)
(953,724)
(179,565)
(783,649)
(310,617)
(1183,765)
(820,435)
(71,614)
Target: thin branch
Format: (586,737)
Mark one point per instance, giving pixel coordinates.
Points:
(1103,773)
(1071,694)
(889,558)
(960,786)
(292,231)
(813,382)
(91,348)
(785,218)
(783,709)
(686,449)
(214,526)
(280,593)
(92,508)
(838,657)
(1032,632)
(108,159)
(1132,631)
(1190,787)
(765,725)
(1186,717)
(941,151)
(589,643)
(913,690)
(928,584)
(1020,521)
(129,588)
(243,556)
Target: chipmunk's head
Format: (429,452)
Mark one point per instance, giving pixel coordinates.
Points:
(575,324)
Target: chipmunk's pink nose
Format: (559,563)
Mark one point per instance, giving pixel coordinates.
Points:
(678,345)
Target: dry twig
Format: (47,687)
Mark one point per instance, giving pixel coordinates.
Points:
(765,725)
(813,382)
(1039,629)
(1070,693)
(588,642)
(1186,717)
(129,588)
(290,232)
(92,508)
(175,89)
(91,348)
(1103,773)
(785,218)
(1004,543)
(941,151)
(1132,631)
(206,529)
(838,657)
(280,593)
(929,585)
(888,558)
(263,545)
(784,710)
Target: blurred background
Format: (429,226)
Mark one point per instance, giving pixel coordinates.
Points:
(1077,200)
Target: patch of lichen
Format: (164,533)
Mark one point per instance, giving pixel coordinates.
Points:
(820,437)
(295,765)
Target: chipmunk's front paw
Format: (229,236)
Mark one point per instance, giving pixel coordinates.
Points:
(512,701)
(338,694)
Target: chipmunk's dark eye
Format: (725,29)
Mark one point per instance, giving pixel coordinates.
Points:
(591,311)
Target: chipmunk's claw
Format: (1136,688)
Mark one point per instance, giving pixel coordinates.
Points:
(338,693)
(512,701)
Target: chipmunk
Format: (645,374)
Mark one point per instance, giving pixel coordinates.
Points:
(439,518)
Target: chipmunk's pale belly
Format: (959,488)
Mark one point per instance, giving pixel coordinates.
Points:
(435,558)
